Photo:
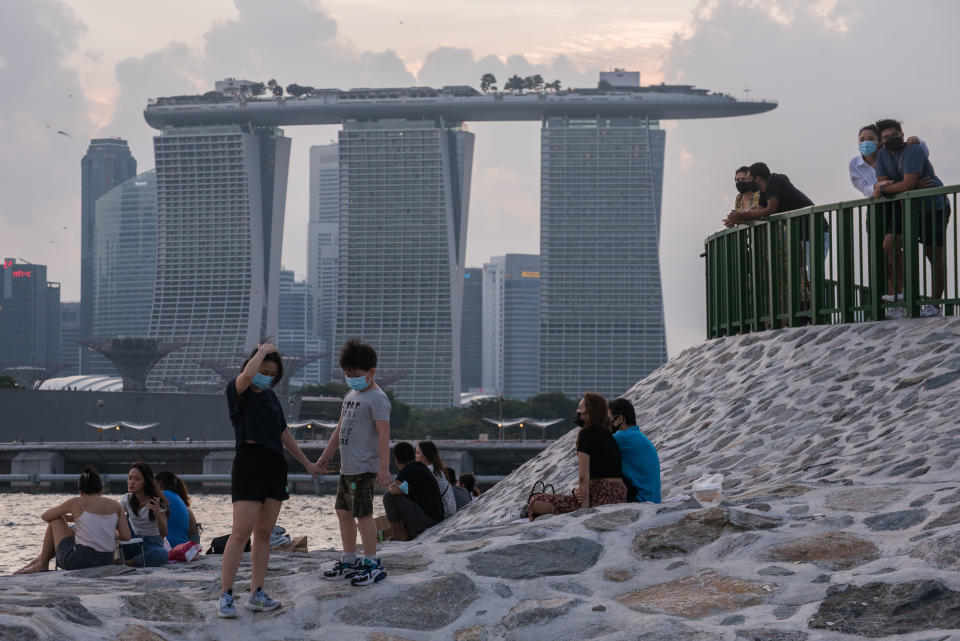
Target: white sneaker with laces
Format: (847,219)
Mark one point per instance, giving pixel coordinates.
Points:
(893,313)
(929,311)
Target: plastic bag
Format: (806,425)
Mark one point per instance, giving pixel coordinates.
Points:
(185,552)
(708,488)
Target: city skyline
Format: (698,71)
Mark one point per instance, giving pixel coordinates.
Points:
(87,70)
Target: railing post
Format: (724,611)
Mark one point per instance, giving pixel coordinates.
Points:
(708,277)
(756,282)
(911,280)
(774,265)
(793,272)
(817,285)
(844,251)
(876,265)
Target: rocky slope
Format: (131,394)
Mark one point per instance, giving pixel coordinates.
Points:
(840,519)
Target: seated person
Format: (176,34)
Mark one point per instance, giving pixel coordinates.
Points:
(98,522)
(599,472)
(461,496)
(178,519)
(428,454)
(638,456)
(146,509)
(469,483)
(412,501)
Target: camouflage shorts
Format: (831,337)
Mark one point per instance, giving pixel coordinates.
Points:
(355,494)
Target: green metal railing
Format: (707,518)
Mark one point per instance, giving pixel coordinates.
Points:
(769,274)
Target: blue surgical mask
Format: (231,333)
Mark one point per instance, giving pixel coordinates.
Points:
(868,147)
(358,383)
(262,381)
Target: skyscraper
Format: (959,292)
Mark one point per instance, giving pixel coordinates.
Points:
(69,333)
(107,163)
(511,325)
(29,315)
(125,246)
(323,247)
(471,330)
(404,194)
(601,312)
(296,334)
(221,191)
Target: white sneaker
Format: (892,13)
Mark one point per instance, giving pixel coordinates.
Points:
(894,313)
(929,311)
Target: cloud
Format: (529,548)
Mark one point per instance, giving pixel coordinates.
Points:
(833,67)
(41,168)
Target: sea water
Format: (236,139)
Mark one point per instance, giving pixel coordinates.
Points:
(21,528)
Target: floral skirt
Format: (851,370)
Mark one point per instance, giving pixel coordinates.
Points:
(602,492)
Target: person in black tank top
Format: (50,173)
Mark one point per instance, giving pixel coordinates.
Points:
(599,476)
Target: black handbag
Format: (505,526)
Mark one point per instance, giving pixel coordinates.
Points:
(525,510)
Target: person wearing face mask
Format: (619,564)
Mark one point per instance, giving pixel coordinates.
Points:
(641,464)
(258,483)
(748,194)
(599,471)
(363,438)
(900,168)
(863,173)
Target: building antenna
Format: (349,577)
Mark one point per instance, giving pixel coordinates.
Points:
(746,91)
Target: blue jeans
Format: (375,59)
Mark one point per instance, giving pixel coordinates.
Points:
(154,554)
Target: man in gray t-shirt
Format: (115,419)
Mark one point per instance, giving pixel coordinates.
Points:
(358,430)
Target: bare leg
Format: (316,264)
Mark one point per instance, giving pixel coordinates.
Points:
(540,507)
(368,536)
(244,516)
(348,531)
(397,531)
(260,550)
(935,256)
(893,249)
(57,530)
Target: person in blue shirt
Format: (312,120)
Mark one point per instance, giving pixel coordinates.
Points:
(638,456)
(901,168)
(178,518)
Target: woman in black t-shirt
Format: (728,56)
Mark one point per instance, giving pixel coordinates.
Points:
(600,477)
(259,475)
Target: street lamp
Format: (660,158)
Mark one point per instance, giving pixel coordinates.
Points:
(100,417)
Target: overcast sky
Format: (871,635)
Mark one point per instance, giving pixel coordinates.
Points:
(87,68)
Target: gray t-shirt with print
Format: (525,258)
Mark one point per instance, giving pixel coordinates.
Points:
(358,429)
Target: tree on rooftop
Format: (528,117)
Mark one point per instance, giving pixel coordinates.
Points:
(296,90)
(604,85)
(555,85)
(487,82)
(258,88)
(534,82)
(514,83)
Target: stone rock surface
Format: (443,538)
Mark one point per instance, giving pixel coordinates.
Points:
(428,605)
(698,595)
(832,551)
(532,560)
(161,606)
(610,521)
(772,635)
(900,520)
(695,530)
(138,633)
(538,611)
(942,552)
(883,609)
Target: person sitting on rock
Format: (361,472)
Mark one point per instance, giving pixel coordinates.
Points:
(469,483)
(98,523)
(638,456)
(428,454)
(460,495)
(147,510)
(412,501)
(180,519)
(599,473)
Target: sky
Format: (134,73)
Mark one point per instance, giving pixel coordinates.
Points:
(87,69)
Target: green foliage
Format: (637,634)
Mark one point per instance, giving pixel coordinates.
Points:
(534,82)
(555,85)
(7,382)
(487,82)
(296,90)
(514,83)
(257,88)
(604,85)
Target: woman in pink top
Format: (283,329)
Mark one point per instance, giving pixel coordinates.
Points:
(98,523)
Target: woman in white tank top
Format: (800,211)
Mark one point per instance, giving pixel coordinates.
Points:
(98,523)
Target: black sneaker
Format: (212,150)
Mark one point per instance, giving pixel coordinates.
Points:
(341,570)
(370,573)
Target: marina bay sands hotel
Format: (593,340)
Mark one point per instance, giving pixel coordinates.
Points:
(403,193)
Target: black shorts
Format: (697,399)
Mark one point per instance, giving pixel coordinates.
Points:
(258,473)
(73,556)
(929,223)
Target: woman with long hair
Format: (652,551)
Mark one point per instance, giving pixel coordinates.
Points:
(259,476)
(147,510)
(428,454)
(179,515)
(171,482)
(97,522)
(599,473)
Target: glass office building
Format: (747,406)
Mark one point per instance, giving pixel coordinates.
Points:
(601,303)
(29,315)
(296,334)
(471,330)
(125,241)
(322,249)
(404,194)
(221,192)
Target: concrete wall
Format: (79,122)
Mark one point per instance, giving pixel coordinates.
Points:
(62,416)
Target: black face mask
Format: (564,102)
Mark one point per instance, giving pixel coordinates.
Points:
(743,186)
(578,420)
(894,144)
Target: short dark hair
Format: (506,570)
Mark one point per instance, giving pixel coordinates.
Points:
(451,475)
(403,453)
(89,481)
(272,357)
(357,355)
(469,482)
(870,127)
(742,169)
(760,170)
(623,407)
(888,123)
